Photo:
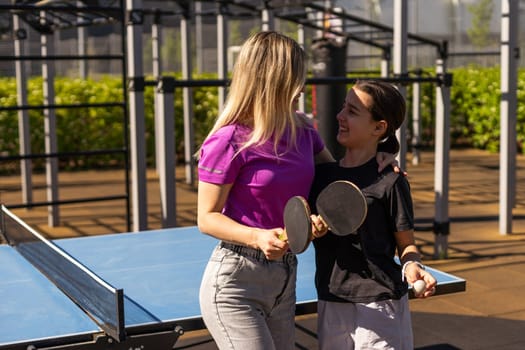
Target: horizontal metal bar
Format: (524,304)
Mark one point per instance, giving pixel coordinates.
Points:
(61,57)
(64,106)
(63,154)
(62,8)
(472,53)
(67,201)
(401,80)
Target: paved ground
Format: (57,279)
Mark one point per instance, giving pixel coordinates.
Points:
(489,315)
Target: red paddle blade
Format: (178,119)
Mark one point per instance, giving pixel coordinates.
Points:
(298,224)
(342,206)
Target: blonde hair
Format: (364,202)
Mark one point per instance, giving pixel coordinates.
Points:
(269,74)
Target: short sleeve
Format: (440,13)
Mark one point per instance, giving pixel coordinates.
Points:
(317,141)
(403,212)
(219,161)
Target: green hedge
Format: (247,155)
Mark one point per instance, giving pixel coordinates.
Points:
(79,129)
(95,128)
(474,115)
(475,96)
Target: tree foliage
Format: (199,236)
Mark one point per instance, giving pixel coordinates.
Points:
(481,12)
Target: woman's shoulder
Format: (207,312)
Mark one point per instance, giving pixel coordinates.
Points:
(231,133)
(232,129)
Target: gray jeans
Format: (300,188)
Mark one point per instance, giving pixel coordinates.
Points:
(247,301)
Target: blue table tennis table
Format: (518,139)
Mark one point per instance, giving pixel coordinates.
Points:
(158,272)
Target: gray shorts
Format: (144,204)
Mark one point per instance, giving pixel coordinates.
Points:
(247,301)
(379,325)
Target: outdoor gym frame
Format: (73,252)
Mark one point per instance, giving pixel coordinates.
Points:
(46,17)
(393,43)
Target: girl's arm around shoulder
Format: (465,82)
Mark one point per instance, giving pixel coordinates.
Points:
(385,159)
(211,199)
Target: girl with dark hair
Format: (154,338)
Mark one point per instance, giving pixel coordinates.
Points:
(362,290)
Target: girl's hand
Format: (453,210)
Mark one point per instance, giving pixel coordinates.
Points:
(414,272)
(319,227)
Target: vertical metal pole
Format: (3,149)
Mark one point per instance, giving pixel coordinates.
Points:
(23,114)
(268,22)
(400,66)
(301,41)
(441,166)
(81,35)
(187,96)
(416,120)
(136,112)
(508,110)
(166,159)
(385,62)
(48,76)
(156,45)
(222,54)
(199,37)
(125,117)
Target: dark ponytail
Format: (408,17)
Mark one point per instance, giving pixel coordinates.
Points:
(389,145)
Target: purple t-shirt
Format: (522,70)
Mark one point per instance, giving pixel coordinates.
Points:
(262,181)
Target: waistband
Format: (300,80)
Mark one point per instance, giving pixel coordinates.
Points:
(257,254)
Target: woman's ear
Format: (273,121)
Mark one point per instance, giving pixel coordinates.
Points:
(381,127)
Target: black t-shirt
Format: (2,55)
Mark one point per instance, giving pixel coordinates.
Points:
(360,267)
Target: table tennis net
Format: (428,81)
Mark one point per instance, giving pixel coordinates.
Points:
(102,302)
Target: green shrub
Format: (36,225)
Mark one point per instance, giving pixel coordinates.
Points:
(475,96)
(95,128)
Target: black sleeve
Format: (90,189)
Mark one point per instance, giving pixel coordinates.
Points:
(402,210)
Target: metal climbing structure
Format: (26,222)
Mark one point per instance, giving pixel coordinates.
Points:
(46,19)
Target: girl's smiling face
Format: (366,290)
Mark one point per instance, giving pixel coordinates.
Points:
(356,125)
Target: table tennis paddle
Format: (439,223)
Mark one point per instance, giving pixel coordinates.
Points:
(298,224)
(341,206)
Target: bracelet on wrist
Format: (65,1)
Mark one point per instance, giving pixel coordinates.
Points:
(403,269)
